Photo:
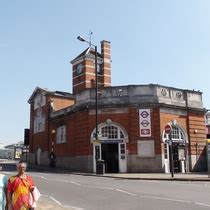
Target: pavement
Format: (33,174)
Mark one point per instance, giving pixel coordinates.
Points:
(44,204)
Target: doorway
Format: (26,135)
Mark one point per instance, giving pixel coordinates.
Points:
(110,155)
(176,161)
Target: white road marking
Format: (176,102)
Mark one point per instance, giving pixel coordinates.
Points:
(44,195)
(125,192)
(65,206)
(96,187)
(72,207)
(40,176)
(56,201)
(60,204)
(75,183)
(167,199)
(202,204)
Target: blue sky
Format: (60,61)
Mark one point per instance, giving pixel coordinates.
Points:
(153,41)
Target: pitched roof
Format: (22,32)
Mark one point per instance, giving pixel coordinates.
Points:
(50,92)
(88,51)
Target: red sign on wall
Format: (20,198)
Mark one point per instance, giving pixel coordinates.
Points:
(168,129)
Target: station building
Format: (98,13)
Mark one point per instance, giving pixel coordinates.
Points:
(131,123)
(208,124)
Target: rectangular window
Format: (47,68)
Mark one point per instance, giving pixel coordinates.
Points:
(208,120)
(39,124)
(122,148)
(166,151)
(110,132)
(61,134)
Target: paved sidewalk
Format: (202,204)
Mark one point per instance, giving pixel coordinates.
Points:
(162,176)
(44,204)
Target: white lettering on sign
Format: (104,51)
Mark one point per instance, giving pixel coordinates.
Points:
(145,122)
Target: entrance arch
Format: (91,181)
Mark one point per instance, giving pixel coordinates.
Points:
(111,147)
(179,149)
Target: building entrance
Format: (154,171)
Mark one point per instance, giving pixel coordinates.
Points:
(178,142)
(110,155)
(178,152)
(176,161)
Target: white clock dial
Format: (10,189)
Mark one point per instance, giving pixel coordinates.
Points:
(79,68)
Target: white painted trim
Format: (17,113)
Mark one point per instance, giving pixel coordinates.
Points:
(81,83)
(107,60)
(106,83)
(106,48)
(122,162)
(107,53)
(106,75)
(106,68)
(93,74)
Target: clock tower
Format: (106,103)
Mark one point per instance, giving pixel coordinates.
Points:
(83,68)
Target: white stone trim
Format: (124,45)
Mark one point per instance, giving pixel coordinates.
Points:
(106,60)
(106,48)
(107,83)
(86,81)
(107,53)
(93,74)
(106,75)
(107,68)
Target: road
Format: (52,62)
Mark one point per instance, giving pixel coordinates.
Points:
(69,191)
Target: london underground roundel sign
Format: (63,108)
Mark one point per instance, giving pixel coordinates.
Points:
(168,129)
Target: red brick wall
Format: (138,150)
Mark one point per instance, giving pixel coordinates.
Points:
(190,123)
(81,124)
(39,139)
(79,128)
(78,136)
(106,54)
(197,122)
(61,103)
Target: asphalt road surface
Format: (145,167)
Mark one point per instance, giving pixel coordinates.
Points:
(68,191)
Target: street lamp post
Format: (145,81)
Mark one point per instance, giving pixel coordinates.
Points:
(168,130)
(96,84)
(52,154)
(171,155)
(53,138)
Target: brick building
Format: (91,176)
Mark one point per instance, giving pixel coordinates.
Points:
(208,124)
(131,123)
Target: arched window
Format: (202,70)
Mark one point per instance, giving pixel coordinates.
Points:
(109,130)
(177,134)
(112,132)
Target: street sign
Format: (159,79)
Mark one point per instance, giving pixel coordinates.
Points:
(168,129)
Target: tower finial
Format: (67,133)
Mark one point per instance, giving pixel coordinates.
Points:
(90,38)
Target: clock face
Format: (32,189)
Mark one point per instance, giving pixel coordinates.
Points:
(79,68)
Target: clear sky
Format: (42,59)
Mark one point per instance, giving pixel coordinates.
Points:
(164,42)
